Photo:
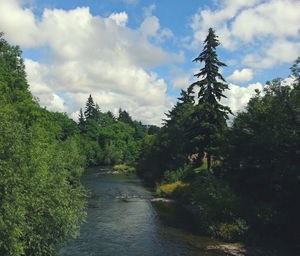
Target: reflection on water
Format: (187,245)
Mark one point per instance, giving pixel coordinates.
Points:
(122,221)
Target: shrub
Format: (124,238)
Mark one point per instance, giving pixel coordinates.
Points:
(229,232)
(168,189)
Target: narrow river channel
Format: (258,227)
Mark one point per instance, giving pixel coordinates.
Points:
(123,221)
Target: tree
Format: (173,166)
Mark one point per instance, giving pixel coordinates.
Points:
(125,117)
(265,172)
(209,118)
(90,109)
(41,199)
(167,148)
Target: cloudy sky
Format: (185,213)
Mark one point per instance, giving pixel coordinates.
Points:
(137,54)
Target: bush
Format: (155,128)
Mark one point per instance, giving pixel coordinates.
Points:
(229,232)
(167,190)
(218,207)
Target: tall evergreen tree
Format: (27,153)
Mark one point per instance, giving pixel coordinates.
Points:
(210,116)
(90,109)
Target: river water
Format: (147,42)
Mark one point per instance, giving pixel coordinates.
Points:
(121,220)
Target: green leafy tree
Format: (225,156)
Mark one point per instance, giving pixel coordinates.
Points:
(41,199)
(262,160)
(209,118)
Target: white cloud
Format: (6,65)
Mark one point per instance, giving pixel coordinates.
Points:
(13,21)
(238,97)
(241,76)
(91,54)
(151,28)
(120,18)
(271,28)
(149,10)
(182,82)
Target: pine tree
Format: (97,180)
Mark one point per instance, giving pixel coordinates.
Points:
(90,109)
(209,118)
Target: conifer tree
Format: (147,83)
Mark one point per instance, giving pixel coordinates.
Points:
(209,118)
(90,109)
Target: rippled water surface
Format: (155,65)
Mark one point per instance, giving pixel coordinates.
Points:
(122,221)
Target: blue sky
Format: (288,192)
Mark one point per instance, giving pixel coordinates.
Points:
(137,54)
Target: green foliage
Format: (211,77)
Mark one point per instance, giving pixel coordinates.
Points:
(111,154)
(41,199)
(203,167)
(105,140)
(215,199)
(266,171)
(119,143)
(90,109)
(125,117)
(168,149)
(153,129)
(229,232)
(178,175)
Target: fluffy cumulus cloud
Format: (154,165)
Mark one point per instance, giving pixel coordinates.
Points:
(270,28)
(120,18)
(91,54)
(238,97)
(241,76)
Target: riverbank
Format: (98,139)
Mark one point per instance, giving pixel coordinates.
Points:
(206,199)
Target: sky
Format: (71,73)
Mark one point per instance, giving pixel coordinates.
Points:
(137,54)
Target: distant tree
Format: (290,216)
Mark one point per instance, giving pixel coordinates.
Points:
(125,117)
(153,129)
(111,115)
(90,109)
(209,118)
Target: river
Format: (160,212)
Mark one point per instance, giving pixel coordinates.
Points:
(121,220)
